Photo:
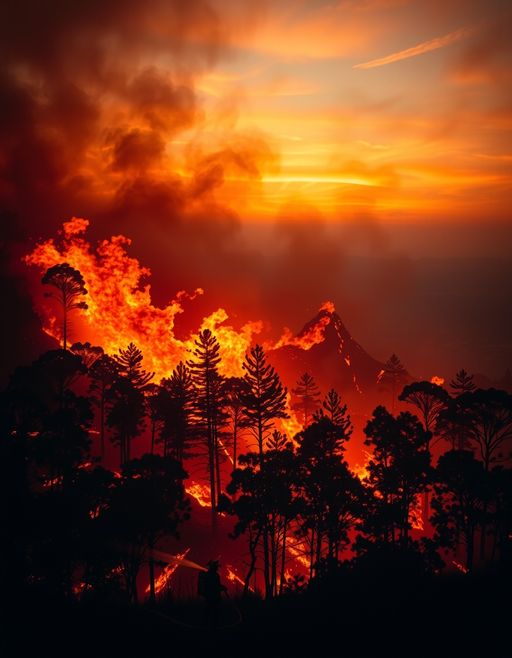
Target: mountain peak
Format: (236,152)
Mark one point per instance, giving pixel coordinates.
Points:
(325,348)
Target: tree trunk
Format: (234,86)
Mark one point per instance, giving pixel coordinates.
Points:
(283,558)
(217,466)
(65,326)
(253,545)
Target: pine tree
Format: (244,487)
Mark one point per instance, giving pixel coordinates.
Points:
(103,373)
(130,366)
(175,404)
(308,394)
(337,413)
(265,397)
(208,389)
(234,387)
(70,287)
(462,382)
(264,401)
(395,375)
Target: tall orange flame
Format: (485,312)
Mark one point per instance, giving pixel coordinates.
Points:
(200,492)
(120,309)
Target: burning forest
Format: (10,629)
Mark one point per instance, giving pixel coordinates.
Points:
(255,389)
(153,449)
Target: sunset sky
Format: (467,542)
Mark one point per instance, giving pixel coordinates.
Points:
(277,154)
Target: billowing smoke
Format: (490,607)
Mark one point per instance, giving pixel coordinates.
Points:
(102,115)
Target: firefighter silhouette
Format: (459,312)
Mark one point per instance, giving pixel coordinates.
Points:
(210,588)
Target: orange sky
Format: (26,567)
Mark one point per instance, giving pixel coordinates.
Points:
(277,154)
(401,108)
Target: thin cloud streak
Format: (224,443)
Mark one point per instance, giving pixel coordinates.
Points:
(420,49)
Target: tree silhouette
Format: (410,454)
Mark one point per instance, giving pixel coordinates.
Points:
(337,413)
(208,390)
(175,408)
(70,286)
(265,505)
(152,396)
(486,415)
(398,471)
(265,397)
(129,362)
(147,504)
(451,428)
(395,375)
(87,352)
(308,394)
(462,382)
(125,415)
(329,490)
(430,399)
(459,501)
(103,373)
(234,389)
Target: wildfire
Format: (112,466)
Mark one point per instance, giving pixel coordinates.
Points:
(306,340)
(291,425)
(437,380)
(328,306)
(163,579)
(298,552)
(416,514)
(233,577)
(120,309)
(361,470)
(199,492)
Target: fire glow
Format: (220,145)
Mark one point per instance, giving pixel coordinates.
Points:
(120,309)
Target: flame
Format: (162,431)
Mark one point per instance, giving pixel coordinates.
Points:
(120,309)
(233,577)
(291,425)
(328,306)
(163,579)
(416,513)
(200,492)
(380,375)
(306,340)
(299,554)
(226,452)
(437,380)
(361,470)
